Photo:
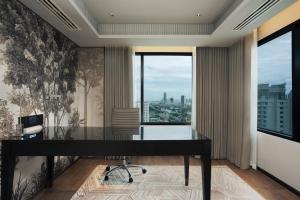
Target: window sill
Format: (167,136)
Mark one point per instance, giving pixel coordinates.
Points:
(161,123)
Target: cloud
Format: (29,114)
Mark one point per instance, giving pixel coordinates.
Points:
(171,74)
(275,61)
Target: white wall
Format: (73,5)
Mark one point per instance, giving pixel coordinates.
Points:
(279,157)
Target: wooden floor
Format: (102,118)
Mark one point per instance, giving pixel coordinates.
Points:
(67,184)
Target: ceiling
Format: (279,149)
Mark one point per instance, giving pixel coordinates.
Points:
(157,22)
(157,11)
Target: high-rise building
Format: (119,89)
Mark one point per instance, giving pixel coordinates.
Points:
(165,98)
(182,100)
(146,112)
(171,100)
(274,108)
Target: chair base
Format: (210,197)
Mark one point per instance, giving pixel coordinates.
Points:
(124,166)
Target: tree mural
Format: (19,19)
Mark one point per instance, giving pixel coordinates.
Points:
(39,59)
(89,73)
(22,99)
(27,188)
(40,65)
(6,119)
(37,181)
(74,119)
(21,189)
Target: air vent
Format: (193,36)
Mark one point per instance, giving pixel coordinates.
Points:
(55,10)
(255,14)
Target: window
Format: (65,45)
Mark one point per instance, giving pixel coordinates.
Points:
(275,80)
(166,87)
(279,82)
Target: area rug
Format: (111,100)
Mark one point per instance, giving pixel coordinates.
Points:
(164,183)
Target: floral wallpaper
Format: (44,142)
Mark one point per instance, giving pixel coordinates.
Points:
(42,71)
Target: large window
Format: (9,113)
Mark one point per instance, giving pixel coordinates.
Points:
(275,85)
(278,83)
(166,87)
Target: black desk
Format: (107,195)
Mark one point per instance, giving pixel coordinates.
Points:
(144,141)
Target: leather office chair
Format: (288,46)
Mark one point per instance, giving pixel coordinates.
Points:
(124,121)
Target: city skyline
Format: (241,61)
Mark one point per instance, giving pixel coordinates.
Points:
(171,74)
(177,97)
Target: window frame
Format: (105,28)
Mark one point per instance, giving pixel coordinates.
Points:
(294,28)
(142,54)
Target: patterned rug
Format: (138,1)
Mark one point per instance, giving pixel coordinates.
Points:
(164,183)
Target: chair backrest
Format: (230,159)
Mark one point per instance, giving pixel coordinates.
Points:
(125,117)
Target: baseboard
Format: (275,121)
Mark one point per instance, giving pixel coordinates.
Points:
(253,165)
(65,169)
(287,186)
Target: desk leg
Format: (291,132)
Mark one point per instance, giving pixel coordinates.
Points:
(50,170)
(206,176)
(7,171)
(186,169)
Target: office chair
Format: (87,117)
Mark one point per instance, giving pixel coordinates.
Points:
(125,122)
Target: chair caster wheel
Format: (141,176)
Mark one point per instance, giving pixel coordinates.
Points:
(107,168)
(144,171)
(106,178)
(130,180)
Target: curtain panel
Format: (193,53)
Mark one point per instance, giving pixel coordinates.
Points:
(223,101)
(212,97)
(239,144)
(117,81)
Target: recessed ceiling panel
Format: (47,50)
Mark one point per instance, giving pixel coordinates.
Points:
(158,22)
(157,11)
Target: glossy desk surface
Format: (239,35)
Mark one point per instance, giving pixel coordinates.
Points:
(142,133)
(96,141)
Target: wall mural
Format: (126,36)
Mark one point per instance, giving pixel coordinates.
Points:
(42,71)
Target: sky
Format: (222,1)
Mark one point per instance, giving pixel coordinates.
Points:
(170,74)
(275,62)
(173,74)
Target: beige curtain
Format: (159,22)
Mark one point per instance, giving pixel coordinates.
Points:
(212,97)
(117,81)
(223,102)
(238,145)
